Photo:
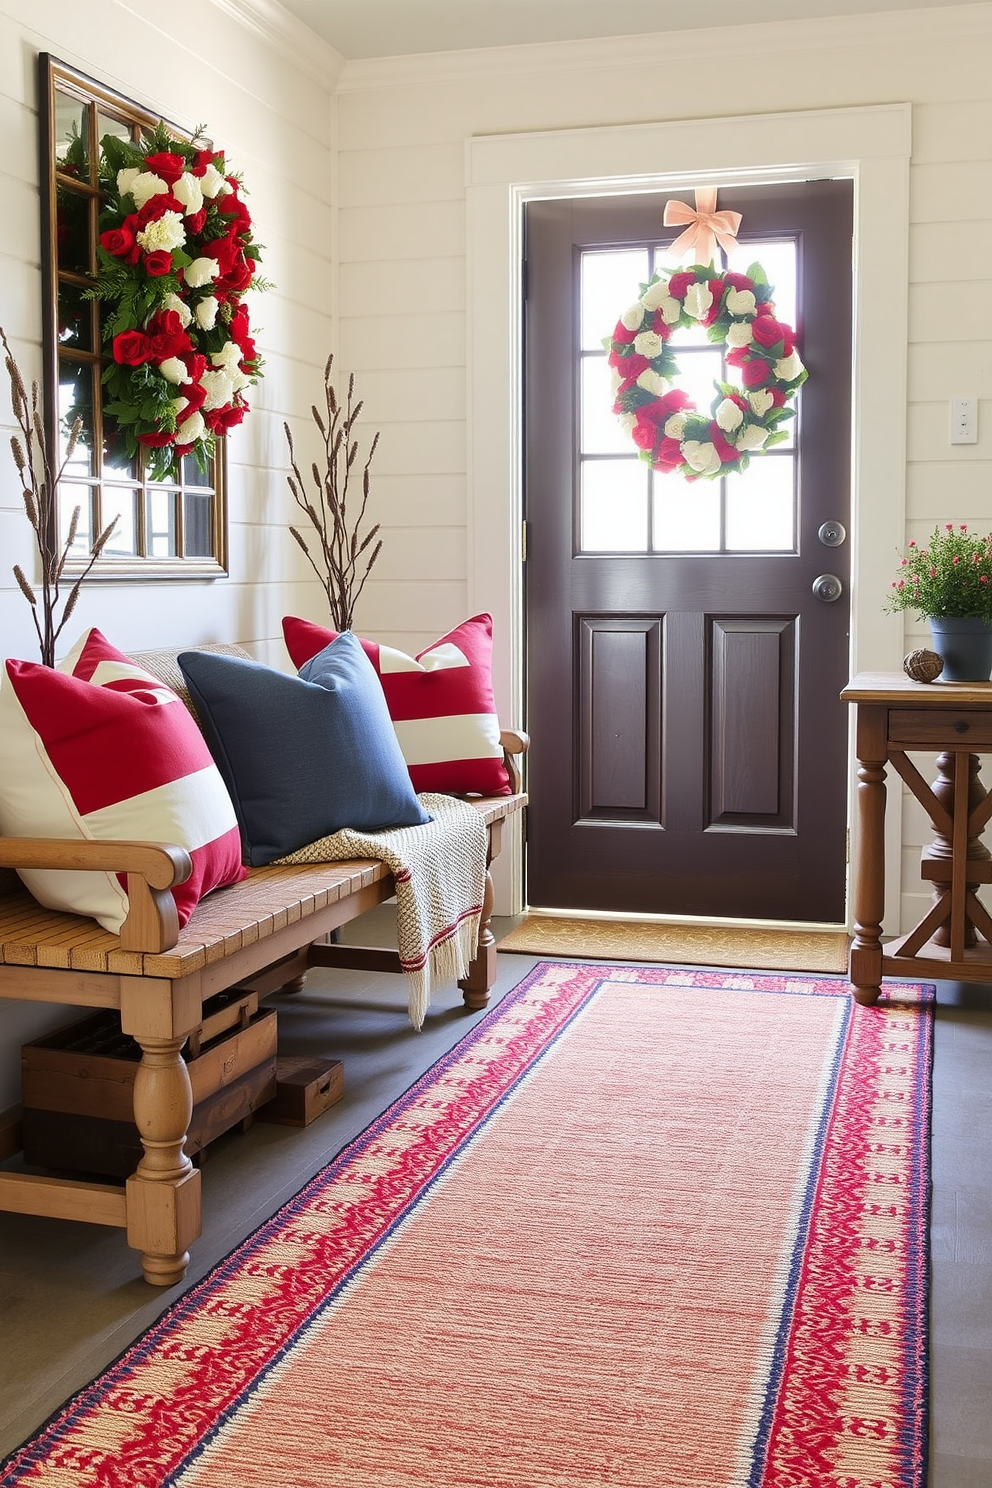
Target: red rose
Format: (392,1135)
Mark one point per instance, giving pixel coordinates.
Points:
(196,222)
(167,337)
(195,395)
(225,250)
(156,441)
(644,434)
(158,263)
(219,420)
(719,442)
(738,281)
(232,206)
(196,365)
(668,456)
(779,398)
(237,280)
(656,322)
(629,367)
(679,283)
(240,325)
(131,348)
(716,288)
(249,355)
(118,241)
(201,160)
(622,334)
(676,400)
(768,332)
(170,167)
(755,372)
(156,207)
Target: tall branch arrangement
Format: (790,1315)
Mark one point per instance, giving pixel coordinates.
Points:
(340,553)
(39,489)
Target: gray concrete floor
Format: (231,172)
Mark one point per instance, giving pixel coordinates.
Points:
(71,1295)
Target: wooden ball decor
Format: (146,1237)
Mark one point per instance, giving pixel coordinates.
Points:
(923,665)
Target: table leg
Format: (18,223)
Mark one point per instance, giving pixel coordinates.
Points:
(869,883)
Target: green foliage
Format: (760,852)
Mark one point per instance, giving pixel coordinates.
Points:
(951,576)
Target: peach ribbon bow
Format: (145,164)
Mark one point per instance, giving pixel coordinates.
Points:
(706,226)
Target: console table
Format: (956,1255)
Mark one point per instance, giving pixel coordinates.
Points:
(895,715)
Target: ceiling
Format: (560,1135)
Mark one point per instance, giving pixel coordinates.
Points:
(387,28)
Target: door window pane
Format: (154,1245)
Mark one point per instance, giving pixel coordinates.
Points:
(123,541)
(161,523)
(610,282)
(602,432)
(686,515)
(761,506)
(613,514)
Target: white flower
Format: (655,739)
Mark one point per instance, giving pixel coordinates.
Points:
(740,333)
(164,234)
(728,415)
(179,404)
(651,382)
(698,299)
(656,297)
(146,185)
(631,319)
(615,381)
(193,429)
(751,438)
(648,344)
(173,370)
(212,183)
(627,422)
(201,271)
(741,302)
(240,380)
(219,388)
(206,313)
(701,457)
(126,177)
(173,302)
(675,426)
(760,401)
(231,354)
(189,193)
(789,368)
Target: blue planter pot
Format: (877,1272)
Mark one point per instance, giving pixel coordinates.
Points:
(965,645)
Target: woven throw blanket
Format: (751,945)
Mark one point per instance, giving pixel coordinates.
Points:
(440,873)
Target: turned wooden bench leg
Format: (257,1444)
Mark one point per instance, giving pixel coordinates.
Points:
(481,978)
(163,1194)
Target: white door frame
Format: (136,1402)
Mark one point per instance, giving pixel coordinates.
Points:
(872,146)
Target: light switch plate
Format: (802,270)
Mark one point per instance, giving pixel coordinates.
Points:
(964,420)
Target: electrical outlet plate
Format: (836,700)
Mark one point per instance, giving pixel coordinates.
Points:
(964,420)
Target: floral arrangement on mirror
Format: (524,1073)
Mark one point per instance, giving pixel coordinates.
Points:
(341,559)
(39,491)
(176,256)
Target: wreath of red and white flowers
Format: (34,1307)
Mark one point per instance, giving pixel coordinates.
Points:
(664,423)
(175,258)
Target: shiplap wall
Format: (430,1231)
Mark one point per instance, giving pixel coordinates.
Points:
(402,128)
(266,97)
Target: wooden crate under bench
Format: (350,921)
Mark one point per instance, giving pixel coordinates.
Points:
(78,1083)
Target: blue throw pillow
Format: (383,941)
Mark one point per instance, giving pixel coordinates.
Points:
(302,756)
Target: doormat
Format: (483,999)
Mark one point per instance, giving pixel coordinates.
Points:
(641,1226)
(680,945)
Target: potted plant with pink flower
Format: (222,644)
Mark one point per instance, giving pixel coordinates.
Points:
(949,583)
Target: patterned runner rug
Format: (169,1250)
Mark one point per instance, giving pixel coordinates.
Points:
(641,1227)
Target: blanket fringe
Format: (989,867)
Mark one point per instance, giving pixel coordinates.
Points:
(447,961)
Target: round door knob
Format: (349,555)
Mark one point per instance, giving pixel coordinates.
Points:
(832,534)
(827,588)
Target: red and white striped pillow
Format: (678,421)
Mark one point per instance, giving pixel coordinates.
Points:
(441,703)
(101,749)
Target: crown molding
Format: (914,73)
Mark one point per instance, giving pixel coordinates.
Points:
(278,28)
(666,50)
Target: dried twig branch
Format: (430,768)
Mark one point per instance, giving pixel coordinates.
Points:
(39,490)
(338,557)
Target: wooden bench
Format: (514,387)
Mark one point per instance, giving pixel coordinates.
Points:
(261,934)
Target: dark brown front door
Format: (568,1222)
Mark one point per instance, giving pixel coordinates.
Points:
(688,747)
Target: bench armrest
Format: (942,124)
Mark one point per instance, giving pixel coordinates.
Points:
(152,868)
(514,741)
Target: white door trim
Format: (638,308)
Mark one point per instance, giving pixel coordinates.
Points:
(872,145)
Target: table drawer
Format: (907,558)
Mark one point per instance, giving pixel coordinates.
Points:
(927,728)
